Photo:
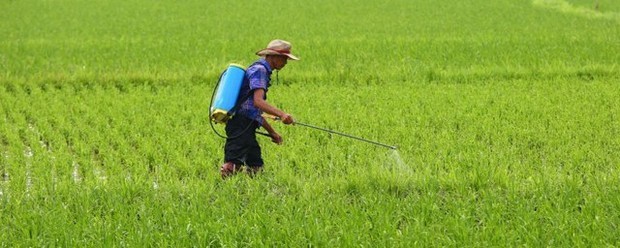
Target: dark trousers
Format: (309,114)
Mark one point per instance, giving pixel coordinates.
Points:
(241,145)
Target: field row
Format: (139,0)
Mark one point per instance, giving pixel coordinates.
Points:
(449,128)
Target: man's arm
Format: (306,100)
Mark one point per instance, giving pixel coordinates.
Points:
(260,103)
(275,137)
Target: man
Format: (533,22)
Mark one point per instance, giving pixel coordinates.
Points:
(242,147)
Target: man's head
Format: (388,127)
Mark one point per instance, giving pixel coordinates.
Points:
(277,53)
(277,62)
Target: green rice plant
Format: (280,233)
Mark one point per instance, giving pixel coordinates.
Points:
(504,114)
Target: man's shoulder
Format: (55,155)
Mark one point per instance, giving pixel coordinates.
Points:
(256,67)
(259,65)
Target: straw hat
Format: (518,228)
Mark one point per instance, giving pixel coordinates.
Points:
(278,47)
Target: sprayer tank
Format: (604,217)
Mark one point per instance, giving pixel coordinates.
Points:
(227,93)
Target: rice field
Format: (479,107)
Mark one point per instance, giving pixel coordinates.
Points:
(505,114)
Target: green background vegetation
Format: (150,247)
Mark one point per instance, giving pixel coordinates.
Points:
(505,114)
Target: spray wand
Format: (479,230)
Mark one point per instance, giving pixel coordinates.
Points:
(275,118)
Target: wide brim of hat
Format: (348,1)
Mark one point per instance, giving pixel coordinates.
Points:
(272,52)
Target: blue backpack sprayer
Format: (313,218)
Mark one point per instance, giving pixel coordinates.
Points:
(226,93)
(225,100)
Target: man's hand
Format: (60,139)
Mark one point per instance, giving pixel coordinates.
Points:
(287,119)
(276,138)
